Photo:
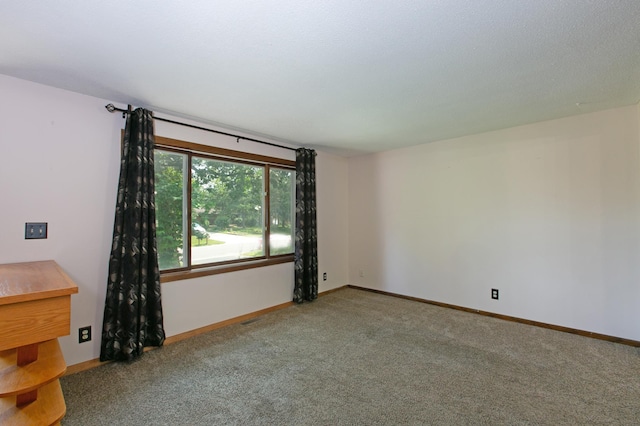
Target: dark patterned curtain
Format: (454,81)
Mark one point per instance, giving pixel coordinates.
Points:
(306,255)
(133,312)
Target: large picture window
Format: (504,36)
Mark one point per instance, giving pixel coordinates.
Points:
(219,210)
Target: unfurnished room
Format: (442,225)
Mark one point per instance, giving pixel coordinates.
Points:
(317,213)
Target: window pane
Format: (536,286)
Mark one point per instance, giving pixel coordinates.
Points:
(226,211)
(170,204)
(282,203)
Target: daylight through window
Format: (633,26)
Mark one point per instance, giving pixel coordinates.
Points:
(221,208)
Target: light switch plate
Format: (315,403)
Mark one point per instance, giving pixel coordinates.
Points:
(35,230)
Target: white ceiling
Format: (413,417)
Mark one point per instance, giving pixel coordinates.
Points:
(348,76)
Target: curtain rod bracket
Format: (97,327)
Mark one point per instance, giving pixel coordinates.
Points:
(112,108)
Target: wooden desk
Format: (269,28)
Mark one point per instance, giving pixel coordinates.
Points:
(35,309)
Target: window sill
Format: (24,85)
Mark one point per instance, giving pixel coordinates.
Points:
(166,277)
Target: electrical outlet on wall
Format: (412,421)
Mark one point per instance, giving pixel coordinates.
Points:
(494,293)
(84,334)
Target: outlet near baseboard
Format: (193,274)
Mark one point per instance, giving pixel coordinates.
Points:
(84,334)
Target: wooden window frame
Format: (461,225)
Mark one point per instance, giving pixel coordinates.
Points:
(222,154)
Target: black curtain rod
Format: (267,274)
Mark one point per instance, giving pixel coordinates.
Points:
(112,108)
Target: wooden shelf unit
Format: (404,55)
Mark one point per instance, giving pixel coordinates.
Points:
(35,309)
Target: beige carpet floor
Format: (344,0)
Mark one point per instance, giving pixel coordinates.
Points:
(358,358)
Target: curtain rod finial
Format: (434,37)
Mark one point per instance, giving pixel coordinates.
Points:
(110,107)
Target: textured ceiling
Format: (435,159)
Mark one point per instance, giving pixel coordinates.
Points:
(348,76)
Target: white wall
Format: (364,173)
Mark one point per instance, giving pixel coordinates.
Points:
(332,203)
(59,163)
(547,213)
